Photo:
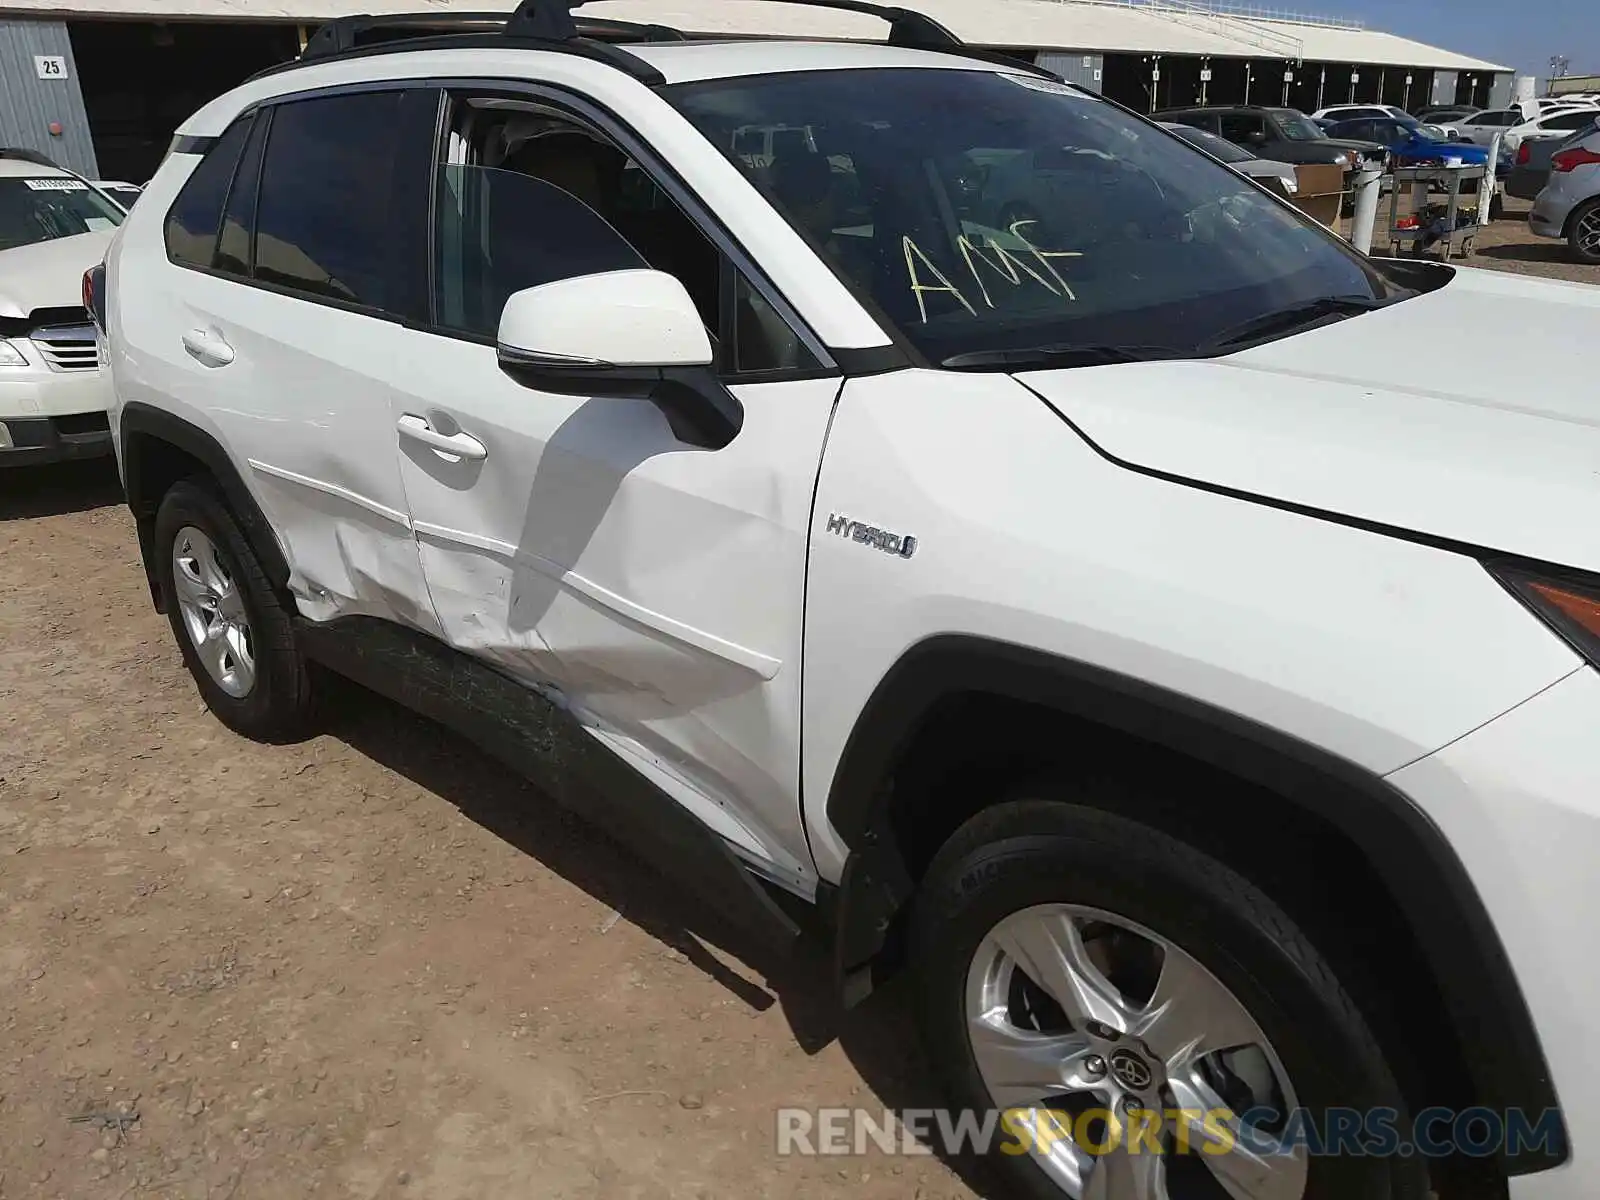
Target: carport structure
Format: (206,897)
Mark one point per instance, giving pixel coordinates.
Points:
(100,84)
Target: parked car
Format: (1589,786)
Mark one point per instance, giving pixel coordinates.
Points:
(53,227)
(1133,638)
(1559,120)
(1283,134)
(1483,127)
(1444,114)
(1569,206)
(1277,176)
(1357,112)
(1410,142)
(1530,171)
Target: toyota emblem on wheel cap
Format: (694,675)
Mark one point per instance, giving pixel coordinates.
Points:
(1131,1070)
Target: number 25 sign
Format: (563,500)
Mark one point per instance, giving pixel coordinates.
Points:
(50,66)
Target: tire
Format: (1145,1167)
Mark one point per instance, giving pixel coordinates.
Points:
(272,700)
(1007,862)
(1584,234)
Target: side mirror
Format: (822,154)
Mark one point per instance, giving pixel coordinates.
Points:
(620,334)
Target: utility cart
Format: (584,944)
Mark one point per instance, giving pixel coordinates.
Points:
(1430,206)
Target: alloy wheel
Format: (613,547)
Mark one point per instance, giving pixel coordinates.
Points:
(1587,234)
(1088,1026)
(213,612)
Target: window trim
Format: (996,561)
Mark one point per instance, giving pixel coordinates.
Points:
(259,119)
(584,111)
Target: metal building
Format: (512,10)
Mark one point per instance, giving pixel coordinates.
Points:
(99,85)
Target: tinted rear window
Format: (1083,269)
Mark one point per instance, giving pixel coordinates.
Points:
(196,214)
(322,216)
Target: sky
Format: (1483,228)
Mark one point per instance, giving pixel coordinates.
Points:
(1523,36)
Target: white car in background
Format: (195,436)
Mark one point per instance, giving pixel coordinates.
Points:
(1482,128)
(1556,120)
(1360,112)
(54,226)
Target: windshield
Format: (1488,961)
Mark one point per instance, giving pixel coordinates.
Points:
(981,211)
(39,210)
(1298,127)
(1213,145)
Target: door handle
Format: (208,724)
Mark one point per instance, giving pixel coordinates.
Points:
(208,346)
(457,445)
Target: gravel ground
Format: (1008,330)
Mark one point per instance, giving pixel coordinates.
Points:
(369,965)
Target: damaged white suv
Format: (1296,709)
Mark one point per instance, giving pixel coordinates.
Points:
(1084,595)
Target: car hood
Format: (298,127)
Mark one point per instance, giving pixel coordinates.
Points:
(1360,418)
(49,274)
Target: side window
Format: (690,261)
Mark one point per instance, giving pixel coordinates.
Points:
(239,216)
(1572,120)
(322,215)
(196,215)
(531,197)
(1238,127)
(499,231)
(1508,118)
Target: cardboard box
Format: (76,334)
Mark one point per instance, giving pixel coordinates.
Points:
(1321,194)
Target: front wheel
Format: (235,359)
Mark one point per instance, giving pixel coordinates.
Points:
(1585,235)
(1148,1025)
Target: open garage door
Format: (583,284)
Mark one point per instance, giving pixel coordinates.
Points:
(141,79)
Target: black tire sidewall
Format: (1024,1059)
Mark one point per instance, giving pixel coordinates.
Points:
(275,705)
(1225,924)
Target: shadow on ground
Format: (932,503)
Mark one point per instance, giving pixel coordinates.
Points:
(1543,252)
(56,488)
(879,1036)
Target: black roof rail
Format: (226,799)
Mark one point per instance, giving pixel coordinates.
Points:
(344,34)
(551,25)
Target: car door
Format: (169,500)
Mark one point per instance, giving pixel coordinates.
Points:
(576,540)
(282,327)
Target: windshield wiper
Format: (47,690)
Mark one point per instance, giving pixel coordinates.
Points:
(1287,320)
(1064,354)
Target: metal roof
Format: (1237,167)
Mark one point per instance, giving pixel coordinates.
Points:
(1182,27)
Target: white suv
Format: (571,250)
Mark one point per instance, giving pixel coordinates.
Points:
(1111,619)
(53,226)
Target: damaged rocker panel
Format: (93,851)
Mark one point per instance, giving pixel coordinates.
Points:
(538,738)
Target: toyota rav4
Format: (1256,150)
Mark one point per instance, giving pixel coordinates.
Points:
(1100,615)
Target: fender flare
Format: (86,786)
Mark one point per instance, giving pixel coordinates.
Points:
(1402,844)
(142,421)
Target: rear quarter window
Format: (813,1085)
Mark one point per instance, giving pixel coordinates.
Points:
(196,215)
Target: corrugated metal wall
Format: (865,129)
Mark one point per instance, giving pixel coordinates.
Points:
(1085,70)
(1500,91)
(29,104)
(1444,87)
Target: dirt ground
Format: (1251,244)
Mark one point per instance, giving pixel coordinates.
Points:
(1506,245)
(372,964)
(368,965)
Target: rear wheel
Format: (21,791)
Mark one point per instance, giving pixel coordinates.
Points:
(1145,1017)
(1584,237)
(233,630)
